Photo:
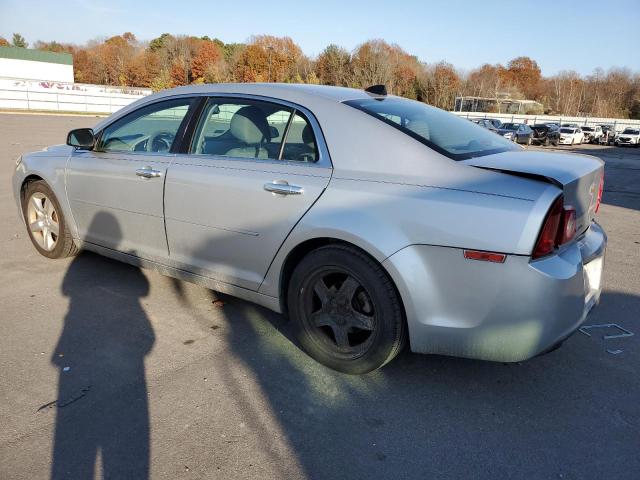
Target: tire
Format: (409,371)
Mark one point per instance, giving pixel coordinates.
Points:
(528,141)
(345,311)
(546,142)
(49,219)
(572,141)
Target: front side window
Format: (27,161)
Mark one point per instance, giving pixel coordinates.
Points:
(444,132)
(150,129)
(244,128)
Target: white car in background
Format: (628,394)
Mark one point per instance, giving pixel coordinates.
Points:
(592,134)
(571,136)
(629,136)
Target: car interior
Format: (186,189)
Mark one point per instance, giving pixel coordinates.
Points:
(241,130)
(254,130)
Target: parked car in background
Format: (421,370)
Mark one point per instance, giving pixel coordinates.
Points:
(488,124)
(546,134)
(629,136)
(592,134)
(470,246)
(516,132)
(608,134)
(497,123)
(571,136)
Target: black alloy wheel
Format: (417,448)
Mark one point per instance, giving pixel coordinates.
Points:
(345,311)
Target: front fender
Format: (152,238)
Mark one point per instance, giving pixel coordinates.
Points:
(49,165)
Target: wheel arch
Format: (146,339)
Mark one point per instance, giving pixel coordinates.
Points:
(32,177)
(297,253)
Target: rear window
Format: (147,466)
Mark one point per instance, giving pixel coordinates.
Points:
(444,132)
(567,130)
(631,131)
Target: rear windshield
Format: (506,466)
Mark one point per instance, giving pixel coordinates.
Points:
(567,130)
(444,132)
(631,131)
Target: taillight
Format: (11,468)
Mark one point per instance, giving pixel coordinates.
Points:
(567,229)
(549,233)
(559,228)
(600,189)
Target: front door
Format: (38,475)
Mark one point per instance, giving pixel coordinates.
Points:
(116,190)
(253,171)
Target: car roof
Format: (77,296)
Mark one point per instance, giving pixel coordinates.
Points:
(302,94)
(279,90)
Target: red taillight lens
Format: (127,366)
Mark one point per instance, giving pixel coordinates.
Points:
(549,233)
(600,189)
(567,229)
(559,228)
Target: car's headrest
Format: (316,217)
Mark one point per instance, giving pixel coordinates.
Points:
(307,135)
(249,125)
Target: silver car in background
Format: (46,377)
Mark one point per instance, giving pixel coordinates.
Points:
(368,219)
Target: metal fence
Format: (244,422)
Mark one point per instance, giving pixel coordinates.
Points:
(19,94)
(617,123)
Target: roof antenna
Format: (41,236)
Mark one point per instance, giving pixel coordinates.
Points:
(377,90)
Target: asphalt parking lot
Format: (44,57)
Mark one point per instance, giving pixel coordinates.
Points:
(213,387)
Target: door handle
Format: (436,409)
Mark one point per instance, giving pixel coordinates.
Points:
(148,172)
(282,187)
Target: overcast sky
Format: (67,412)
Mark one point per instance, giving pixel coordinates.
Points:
(559,35)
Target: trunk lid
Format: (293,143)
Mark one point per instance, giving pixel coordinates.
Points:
(579,176)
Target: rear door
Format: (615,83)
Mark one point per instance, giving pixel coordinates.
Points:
(252,171)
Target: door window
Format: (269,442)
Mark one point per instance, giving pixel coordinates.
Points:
(244,128)
(149,129)
(300,144)
(241,128)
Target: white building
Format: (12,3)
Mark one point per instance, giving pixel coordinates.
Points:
(27,64)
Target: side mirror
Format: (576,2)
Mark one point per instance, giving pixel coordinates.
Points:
(82,138)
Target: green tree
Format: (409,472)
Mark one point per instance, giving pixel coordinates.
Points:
(160,42)
(19,41)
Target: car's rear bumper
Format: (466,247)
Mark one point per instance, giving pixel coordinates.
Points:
(491,311)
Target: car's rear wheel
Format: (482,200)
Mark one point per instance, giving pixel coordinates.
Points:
(45,222)
(546,142)
(345,310)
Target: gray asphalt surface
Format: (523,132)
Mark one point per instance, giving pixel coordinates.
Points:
(204,390)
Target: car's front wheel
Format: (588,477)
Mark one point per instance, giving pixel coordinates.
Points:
(45,221)
(345,310)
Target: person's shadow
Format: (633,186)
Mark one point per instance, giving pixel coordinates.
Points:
(102,412)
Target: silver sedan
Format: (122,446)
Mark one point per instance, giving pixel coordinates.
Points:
(369,220)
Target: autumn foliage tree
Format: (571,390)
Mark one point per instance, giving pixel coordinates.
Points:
(172,60)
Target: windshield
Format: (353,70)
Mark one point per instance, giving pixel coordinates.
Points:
(631,131)
(444,132)
(567,130)
(587,129)
(510,126)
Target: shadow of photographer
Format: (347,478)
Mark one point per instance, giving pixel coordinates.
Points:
(102,407)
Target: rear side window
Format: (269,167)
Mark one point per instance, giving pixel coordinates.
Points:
(243,128)
(300,144)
